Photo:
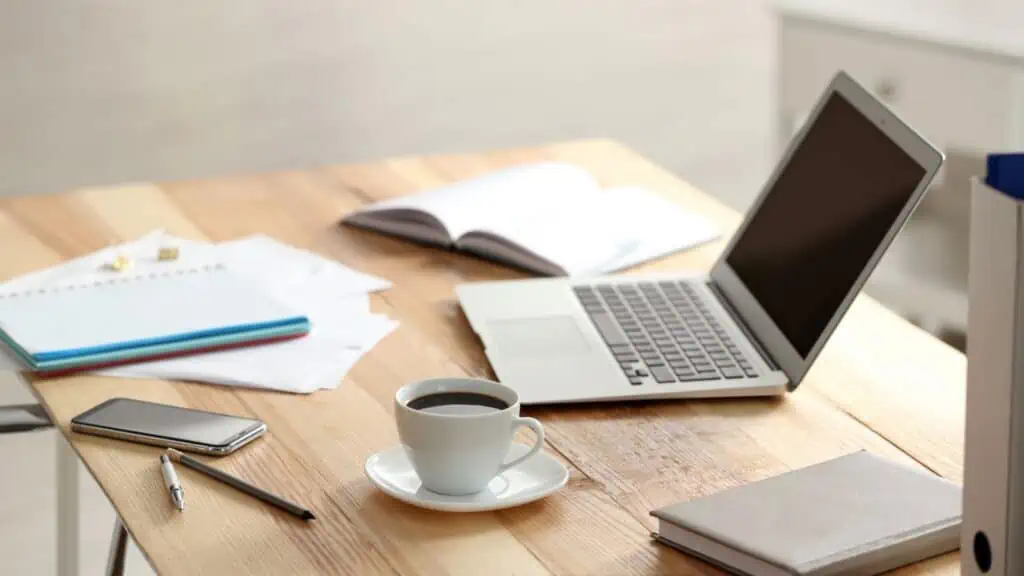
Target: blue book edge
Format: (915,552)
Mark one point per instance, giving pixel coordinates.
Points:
(143,343)
(199,346)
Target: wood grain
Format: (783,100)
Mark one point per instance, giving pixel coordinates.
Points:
(880,385)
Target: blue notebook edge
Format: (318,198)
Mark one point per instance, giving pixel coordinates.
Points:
(197,346)
(297,324)
(72,353)
(200,346)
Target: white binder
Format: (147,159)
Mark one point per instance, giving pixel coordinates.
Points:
(992,540)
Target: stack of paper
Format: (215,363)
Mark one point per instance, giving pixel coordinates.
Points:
(334,298)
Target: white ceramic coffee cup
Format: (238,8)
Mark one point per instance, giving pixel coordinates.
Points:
(458,450)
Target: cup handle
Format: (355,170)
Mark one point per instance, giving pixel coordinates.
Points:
(532,424)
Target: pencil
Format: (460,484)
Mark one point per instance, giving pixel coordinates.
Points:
(240,484)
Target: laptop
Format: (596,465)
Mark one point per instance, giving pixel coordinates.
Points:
(752,326)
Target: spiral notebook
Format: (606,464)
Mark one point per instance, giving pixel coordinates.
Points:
(131,318)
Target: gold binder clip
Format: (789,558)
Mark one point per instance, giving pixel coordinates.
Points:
(167,254)
(120,264)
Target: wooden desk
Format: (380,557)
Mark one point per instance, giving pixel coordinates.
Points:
(881,384)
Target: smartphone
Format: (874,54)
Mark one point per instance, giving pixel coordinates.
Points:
(171,426)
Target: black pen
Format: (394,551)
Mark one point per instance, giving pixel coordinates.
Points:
(240,485)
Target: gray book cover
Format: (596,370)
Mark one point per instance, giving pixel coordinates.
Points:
(857,514)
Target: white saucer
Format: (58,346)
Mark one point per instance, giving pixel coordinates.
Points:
(534,479)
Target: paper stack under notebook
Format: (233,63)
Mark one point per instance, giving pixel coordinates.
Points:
(158,295)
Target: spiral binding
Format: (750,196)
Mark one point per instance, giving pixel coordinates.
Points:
(119,279)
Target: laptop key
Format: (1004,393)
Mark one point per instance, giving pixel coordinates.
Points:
(750,373)
(662,375)
(732,372)
(655,363)
(636,382)
(705,369)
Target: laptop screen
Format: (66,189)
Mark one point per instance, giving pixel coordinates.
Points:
(815,231)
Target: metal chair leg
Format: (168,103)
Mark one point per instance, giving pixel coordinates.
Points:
(118,548)
(23,418)
(67,509)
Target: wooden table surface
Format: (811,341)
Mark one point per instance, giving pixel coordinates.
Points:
(880,384)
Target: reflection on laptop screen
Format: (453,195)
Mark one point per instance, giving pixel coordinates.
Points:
(829,209)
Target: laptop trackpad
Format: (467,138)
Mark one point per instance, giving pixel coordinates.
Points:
(533,337)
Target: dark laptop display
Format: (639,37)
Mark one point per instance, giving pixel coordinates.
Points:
(840,193)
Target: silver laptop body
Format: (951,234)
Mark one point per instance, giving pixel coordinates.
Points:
(752,327)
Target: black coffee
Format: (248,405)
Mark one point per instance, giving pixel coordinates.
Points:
(467,399)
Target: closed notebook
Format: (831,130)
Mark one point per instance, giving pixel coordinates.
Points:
(129,318)
(857,514)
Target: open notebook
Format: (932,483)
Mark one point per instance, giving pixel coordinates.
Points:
(129,318)
(549,218)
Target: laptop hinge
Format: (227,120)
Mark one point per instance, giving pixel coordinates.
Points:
(724,301)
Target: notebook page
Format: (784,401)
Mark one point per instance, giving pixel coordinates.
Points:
(513,196)
(644,226)
(612,230)
(133,308)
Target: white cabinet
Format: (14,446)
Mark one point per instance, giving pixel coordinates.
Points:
(953,98)
(954,70)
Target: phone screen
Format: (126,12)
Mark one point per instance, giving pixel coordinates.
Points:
(169,422)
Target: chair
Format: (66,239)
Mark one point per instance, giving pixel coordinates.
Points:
(23,418)
(19,418)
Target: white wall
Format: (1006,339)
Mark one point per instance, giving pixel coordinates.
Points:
(100,91)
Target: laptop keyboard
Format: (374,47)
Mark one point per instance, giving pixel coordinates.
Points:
(662,331)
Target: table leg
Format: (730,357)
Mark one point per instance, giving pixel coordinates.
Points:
(67,509)
(118,548)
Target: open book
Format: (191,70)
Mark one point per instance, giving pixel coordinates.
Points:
(548,218)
